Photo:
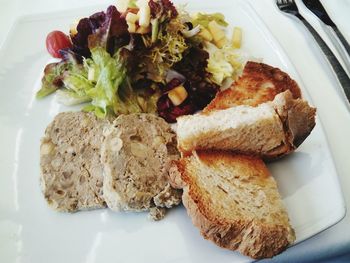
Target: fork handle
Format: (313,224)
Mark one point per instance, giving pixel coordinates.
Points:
(342,47)
(332,59)
(342,39)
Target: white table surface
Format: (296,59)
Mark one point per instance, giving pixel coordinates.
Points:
(332,244)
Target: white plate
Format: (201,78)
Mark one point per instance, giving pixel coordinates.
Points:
(31,232)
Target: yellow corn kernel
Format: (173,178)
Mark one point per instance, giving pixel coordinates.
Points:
(73,28)
(178,95)
(91,74)
(131,27)
(122,5)
(216,31)
(205,34)
(237,37)
(131,17)
(144,13)
(221,42)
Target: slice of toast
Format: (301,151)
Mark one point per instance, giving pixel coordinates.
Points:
(259,83)
(234,202)
(257,225)
(269,130)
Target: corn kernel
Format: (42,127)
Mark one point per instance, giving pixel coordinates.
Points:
(131,27)
(216,31)
(73,28)
(178,95)
(205,34)
(131,17)
(144,13)
(122,5)
(237,37)
(221,42)
(91,74)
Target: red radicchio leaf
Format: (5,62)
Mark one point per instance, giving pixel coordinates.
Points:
(169,112)
(163,8)
(79,40)
(97,20)
(156,8)
(169,8)
(172,84)
(193,67)
(200,90)
(112,34)
(107,29)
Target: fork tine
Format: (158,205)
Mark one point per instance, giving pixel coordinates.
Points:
(282,2)
(289,6)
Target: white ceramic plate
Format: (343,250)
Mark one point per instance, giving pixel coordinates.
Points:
(31,232)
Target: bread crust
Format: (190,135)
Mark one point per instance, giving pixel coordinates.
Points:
(249,236)
(259,83)
(297,116)
(270,130)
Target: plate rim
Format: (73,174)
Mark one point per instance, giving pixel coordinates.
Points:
(283,56)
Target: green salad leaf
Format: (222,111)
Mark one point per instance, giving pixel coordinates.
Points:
(155,59)
(132,4)
(101,80)
(69,98)
(52,79)
(111,94)
(204,19)
(223,63)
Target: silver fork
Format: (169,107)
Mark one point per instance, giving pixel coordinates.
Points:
(290,7)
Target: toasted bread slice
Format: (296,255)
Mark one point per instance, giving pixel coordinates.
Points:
(269,130)
(259,83)
(234,202)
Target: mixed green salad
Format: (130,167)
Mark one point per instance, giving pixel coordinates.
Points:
(142,56)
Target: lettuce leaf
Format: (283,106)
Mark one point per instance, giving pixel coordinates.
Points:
(113,93)
(70,98)
(155,59)
(104,29)
(52,79)
(112,34)
(204,19)
(112,73)
(223,63)
(101,80)
(193,66)
(162,9)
